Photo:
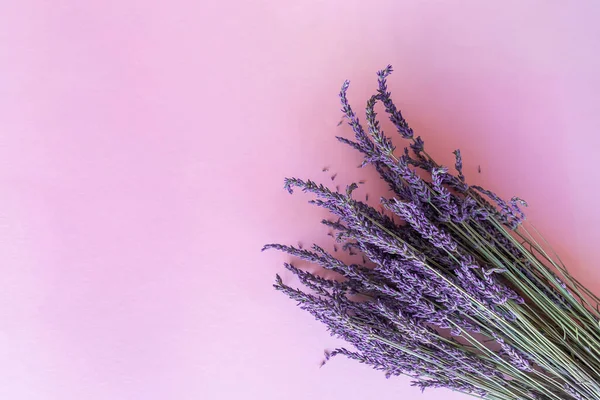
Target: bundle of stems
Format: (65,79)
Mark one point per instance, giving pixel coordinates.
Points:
(459,291)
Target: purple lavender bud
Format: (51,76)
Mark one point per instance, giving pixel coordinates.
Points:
(510,215)
(561,283)
(352,144)
(574,393)
(317,256)
(516,358)
(417,186)
(319,285)
(395,115)
(412,214)
(470,209)
(382,141)
(312,187)
(452,384)
(418,145)
(361,137)
(515,202)
(459,165)
(442,198)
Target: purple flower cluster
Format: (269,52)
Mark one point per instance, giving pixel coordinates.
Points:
(444,201)
(515,357)
(413,214)
(395,115)
(430,287)
(453,385)
(390,340)
(511,214)
(459,165)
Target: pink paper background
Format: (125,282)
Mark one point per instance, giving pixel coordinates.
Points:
(143,146)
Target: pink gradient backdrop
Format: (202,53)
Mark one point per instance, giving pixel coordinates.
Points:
(143,146)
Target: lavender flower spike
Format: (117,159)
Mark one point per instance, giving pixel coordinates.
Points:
(395,115)
(383,142)
(417,219)
(362,138)
(517,359)
(459,165)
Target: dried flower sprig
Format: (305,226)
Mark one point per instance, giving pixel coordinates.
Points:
(462,294)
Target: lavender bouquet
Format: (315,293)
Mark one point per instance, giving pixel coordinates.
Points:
(457,292)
